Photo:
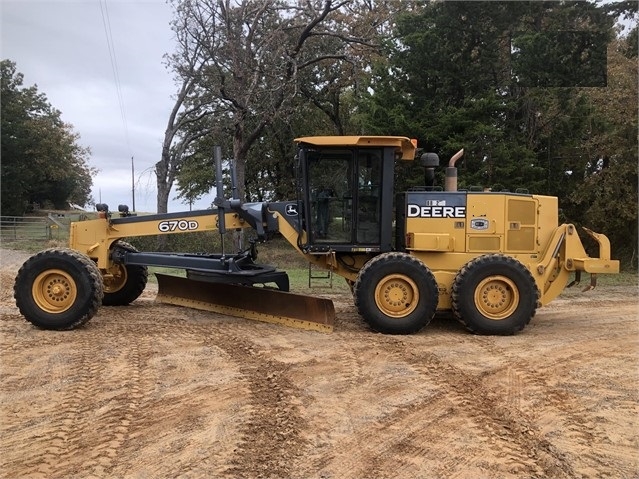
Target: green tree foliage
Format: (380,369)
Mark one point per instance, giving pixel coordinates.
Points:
(606,198)
(479,76)
(449,82)
(42,161)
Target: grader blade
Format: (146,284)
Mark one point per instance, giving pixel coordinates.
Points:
(250,302)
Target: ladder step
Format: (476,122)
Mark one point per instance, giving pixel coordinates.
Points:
(319,274)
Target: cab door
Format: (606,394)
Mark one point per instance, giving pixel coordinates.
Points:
(343,191)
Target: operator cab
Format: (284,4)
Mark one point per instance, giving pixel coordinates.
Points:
(347,191)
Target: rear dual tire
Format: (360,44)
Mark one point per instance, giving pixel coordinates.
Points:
(396,293)
(494,294)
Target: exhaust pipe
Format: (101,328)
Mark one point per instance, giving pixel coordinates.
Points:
(450,182)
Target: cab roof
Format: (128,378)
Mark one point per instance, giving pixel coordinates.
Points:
(402,143)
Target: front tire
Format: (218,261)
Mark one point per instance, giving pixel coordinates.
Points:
(494,294)
(396,293)
(125,283)
(58,289)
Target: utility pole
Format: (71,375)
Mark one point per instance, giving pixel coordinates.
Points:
(133,184)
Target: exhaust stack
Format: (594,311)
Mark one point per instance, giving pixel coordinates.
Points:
(450,183)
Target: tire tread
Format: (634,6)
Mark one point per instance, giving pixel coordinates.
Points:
(22,290)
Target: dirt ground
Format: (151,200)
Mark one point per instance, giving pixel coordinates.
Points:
(158,391)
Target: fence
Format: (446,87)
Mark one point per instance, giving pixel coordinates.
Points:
(16,228)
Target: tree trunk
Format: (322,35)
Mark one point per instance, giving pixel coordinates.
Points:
(162,177)
(164,191)
(239,155)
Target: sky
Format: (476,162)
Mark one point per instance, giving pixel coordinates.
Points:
(62,46)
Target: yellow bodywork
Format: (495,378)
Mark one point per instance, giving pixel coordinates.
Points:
(405,146)
(524,227)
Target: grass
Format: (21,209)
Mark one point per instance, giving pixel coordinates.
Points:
(299,282)
(298,278)
(624,278)
(34,246)
(168,271)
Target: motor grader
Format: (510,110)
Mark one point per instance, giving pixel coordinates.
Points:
(491,258)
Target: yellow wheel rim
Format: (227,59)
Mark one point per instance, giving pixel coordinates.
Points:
(497,297)
(396,295)
(54,291)
(115,279)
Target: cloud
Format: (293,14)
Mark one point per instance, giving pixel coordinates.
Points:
(62,47)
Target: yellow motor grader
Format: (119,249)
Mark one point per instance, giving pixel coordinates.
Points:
(492,258)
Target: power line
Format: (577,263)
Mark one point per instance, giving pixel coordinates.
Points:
(106,22)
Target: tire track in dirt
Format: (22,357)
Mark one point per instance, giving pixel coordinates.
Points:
(368,451)
(402,426)
(91,410)
(105,401)
(189,430)
(493,422)
(271,434)
(266,440)
(340,376)
(496,422)
(570,419)
(67,418)
(124,395)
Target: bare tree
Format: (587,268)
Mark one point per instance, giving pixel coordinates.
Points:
(240,64)
(186,120)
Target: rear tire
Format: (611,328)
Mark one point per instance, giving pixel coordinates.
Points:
(58,289)
(396,293)
(494,294)
(128,283)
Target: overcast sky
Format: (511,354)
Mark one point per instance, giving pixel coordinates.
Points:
(61,45)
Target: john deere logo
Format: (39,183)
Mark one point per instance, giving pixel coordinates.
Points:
(417,211)
(291,209)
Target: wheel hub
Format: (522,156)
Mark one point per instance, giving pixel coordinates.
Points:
(54,291)
(115,279)
(58,291)
(496,297)
(397,295)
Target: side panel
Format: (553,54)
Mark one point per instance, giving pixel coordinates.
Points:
(476,223)
(435,221)
(547,219)
(486,223)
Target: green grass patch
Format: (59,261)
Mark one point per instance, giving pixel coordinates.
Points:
(169,271)
(34,246)
(298,278)
(299,282)
(624,278)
